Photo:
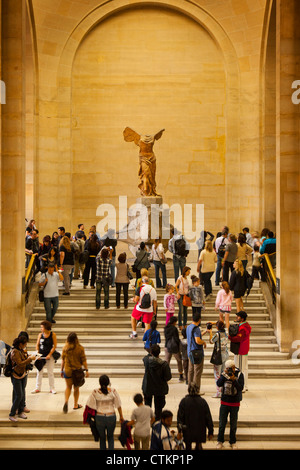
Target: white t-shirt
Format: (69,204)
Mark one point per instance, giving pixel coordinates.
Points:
(142,416)
(145,289)
(51,288)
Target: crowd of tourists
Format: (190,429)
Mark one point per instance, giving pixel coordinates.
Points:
(62,258)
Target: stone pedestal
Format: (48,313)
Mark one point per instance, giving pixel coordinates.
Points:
(158,219)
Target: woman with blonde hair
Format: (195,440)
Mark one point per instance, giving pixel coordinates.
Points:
(238,284)
(73,358)
(206,264)
(66,258)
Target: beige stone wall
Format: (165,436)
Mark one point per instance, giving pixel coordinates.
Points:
(223,146)
(148,69)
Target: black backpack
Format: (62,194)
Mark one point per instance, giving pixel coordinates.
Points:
(180,247)
(146,301)
(233,331)
(8,367)
(221,249)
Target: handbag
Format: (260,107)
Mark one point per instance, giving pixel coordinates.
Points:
(172,345)
(78,377)
(41,295)
(129,275)
(56,355)
(187,302)
(216,357)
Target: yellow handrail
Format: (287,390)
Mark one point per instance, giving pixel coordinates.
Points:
(267,258)
(28,270)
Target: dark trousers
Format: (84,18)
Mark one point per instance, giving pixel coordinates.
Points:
(197,310)
(19,386)
(232,411)
(206,277)
(159,403)
(99,286)
(125,293)
(227,266)
(90,266)
(257,273)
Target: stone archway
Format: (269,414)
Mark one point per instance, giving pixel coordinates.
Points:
(206,21)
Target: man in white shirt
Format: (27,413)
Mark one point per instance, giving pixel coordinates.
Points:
(49,281)
(222,240)
(179,258)
(145,308)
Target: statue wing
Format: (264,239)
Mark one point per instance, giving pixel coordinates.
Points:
(159,134)
(131,136)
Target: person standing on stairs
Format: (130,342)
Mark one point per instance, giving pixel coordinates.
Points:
(73,358)
(46,345)
(243,338)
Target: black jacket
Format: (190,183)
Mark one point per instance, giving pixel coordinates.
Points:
(232,389)
(171,332)
(195,417)
(156,377)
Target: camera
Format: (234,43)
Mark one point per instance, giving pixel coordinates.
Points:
(209,326)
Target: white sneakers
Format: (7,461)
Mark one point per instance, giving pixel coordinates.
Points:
(14,419)
(220,446)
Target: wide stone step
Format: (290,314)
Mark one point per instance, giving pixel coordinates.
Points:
(82,432)
(133,346)
(99,331)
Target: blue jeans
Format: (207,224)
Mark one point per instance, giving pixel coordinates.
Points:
(182,314)
(226,410)
(179,263)
(51,306)
(19,386)
(160,266)
(99,285)
(105,426)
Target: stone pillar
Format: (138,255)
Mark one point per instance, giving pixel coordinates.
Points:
(12,306)
(287,172)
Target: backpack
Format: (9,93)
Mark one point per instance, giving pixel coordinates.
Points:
(249,282)
(233,331)
(221,249)
(180,247)
(83,257)
(146,301)
(8,367)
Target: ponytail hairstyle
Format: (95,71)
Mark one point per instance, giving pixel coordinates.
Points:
(22,339)
(104,383)
(226,287)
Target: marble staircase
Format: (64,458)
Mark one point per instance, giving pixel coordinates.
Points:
(105,337)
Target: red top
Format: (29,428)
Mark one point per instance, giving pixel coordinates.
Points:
(243,337)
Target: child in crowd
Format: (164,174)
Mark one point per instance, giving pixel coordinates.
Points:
(256,266)
(184,354)
(196,295)
(151,336)
(223,302)
(142,418)
(169,302)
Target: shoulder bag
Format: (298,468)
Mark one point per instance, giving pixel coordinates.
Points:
(216,357)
